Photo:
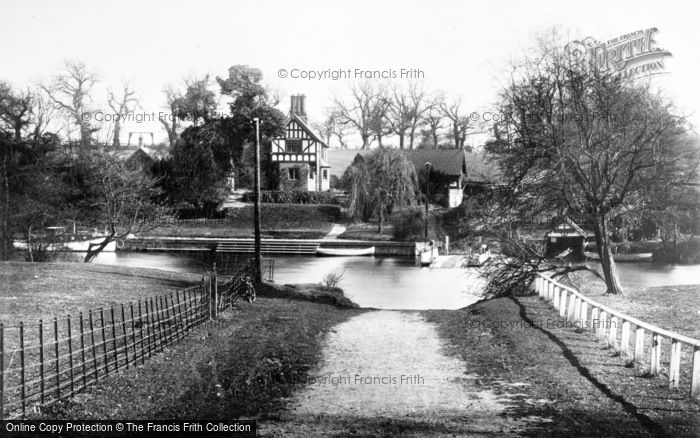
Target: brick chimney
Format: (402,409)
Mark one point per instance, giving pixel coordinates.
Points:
(298,106)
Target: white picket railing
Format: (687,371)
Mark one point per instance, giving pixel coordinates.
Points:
(604,322)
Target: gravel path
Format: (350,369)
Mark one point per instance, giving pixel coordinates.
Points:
(385,372)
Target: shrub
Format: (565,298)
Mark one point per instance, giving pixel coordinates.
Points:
(292,197)
(409,224)
(333,278)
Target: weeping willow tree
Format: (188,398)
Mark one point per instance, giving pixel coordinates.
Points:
(379,183)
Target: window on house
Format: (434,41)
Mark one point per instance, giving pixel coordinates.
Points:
(311,174)
(325,174)
(293,173)
(293,146)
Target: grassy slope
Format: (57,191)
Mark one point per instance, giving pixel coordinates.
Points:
(277,220)
(568,376)
(674,308)
(29,291)
(243,365)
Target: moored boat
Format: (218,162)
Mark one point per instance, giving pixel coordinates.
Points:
(345,251)
(639,257)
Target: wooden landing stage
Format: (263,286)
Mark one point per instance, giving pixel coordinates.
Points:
(269,246)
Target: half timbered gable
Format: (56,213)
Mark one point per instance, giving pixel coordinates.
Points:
(301,154)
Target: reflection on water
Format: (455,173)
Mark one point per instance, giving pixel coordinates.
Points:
(386,283)
(154,260)
(394,283)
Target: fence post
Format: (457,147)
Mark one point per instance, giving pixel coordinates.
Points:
(42,374)
(215,291)
(583,314)
(58,365)
(563,301)
(612,335)
(639,345)
(2,371)
(82,348)
(603,325)
(625,339)
(556,297)
(572,307)
(675,366)
(594,319)
(209,293)
(70,357)
(655,363)
(695,379)
(21,365)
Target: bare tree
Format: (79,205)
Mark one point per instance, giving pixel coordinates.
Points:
(70,93)
(586,141)
(44,112)
(433,120)
(460,126)
(406,111)
(121,105)
(380,124)
(360,111)
(171,123)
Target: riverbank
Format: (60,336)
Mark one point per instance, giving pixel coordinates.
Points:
(244,365)
(560,374)
(282,221)
(675,308)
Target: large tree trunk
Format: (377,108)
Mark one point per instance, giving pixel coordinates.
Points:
(365,141)
(612,278)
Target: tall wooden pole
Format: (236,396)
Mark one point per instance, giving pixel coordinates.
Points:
(258,258)
(427,195)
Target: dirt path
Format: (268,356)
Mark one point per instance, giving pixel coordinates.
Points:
(385,372)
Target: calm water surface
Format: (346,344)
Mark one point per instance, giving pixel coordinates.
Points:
(397,283)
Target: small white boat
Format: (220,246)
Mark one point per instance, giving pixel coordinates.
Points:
(345,251)
(640,257)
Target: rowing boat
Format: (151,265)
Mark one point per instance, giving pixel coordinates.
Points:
(345,251)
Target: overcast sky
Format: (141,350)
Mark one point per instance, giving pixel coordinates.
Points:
(462,47)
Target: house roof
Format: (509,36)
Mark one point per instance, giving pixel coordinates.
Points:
(568,228)
(478,167)
(450,162)
(306,127)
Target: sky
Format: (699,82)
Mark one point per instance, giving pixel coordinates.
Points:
(463,48)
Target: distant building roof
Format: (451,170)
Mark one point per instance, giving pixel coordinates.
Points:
(477,167)
(568,228)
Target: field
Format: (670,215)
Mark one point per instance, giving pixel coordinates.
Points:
(29,291)
(675,308)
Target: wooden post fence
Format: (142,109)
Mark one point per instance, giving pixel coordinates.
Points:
(604,323)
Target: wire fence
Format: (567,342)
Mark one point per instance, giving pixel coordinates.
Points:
(43,362)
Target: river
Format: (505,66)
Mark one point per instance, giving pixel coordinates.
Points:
(394,282)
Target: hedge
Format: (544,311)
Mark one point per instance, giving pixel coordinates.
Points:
(292,197)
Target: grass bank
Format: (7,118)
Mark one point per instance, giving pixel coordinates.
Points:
(29,291)
(561,374)
(675,308)
(290,221)
(244,365)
